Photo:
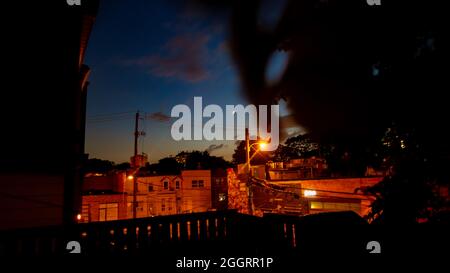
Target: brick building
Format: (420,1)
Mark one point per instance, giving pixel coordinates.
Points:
(104,197)
(110,197)
(302,168)
(332,194)
(172,194)
(106,206)
(299,187)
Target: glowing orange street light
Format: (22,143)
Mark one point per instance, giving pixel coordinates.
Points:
(130,177)
(262,145)
(78,217)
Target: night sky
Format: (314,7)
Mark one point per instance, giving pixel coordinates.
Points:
(150,56)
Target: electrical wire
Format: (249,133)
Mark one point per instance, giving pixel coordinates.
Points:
(94,121)
(100,118)
(111,114)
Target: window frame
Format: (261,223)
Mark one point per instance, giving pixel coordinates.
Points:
(166,182)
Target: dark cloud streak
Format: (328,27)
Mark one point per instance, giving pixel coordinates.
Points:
(183,57)
(214,147)
(159,116)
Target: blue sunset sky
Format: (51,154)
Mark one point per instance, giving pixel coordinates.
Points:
(150,56)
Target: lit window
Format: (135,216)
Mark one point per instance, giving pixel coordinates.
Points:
(307,193)
(331,206)
(342,206)
(316,205)
(201,183)
(85,213)
(222,197)
(402,144)
(108,212)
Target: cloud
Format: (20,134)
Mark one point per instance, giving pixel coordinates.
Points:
(184,57)
(159,116)
(290,128)
(214,147)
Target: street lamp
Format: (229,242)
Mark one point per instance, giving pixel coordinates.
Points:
(133,177)
(262,145)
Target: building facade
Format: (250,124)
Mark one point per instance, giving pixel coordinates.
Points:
(332,194)
(303,168)
(110,197)
(298,187)
(172,194)
(104,197)
(107,206)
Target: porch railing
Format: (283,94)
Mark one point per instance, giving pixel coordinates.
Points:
(197,232)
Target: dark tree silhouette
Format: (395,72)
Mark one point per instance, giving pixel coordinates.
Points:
(203,160)
(123,166)
(95,165)
(407,195)
(168,165)
(194,160)
(300,146)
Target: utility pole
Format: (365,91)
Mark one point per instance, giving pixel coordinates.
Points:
(136,136)
(249,172)
(247,150)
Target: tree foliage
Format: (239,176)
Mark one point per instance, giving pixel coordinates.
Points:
(300,146)
(407,194)
(95,165)
(194,160)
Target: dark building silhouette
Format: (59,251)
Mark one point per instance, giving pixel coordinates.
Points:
(44,115)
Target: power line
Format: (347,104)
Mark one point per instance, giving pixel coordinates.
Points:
(110,114)
(108,119)
(101,118)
